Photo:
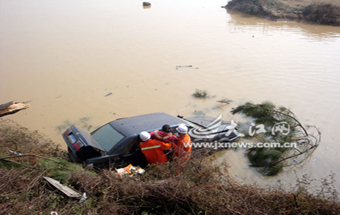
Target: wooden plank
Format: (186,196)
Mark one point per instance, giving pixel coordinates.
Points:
(66,190)
(13,107)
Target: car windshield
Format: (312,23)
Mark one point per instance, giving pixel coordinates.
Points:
(107,137)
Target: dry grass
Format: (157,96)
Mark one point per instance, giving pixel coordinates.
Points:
(196,188)
(19,139)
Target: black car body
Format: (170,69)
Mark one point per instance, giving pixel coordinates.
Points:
(117,142)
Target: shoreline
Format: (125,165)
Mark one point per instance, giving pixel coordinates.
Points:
(324,13)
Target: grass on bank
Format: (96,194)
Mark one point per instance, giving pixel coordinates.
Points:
(199,188)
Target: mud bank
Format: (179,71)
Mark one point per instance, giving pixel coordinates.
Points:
(322,12)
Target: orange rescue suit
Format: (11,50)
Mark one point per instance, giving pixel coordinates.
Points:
(182,148)
(154,151)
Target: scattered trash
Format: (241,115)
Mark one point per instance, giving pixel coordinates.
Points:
(83,198)
(54,213)
(186,66)
(109,94)
(13,152)
(66,190)
(130,170)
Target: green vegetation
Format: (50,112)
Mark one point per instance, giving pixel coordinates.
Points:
(201,94)
(197,188)
(276,125)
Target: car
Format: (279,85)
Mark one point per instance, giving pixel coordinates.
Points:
(116,144)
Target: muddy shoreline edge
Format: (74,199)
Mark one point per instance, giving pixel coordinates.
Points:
(278,10)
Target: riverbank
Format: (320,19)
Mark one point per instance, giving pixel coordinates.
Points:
(200,189)
(325,12)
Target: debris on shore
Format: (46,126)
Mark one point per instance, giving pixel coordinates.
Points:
(12,107)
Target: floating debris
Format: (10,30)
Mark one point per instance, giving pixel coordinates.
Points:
(109,94)
(225,101)
(146,4)
(201,94)
(186,66)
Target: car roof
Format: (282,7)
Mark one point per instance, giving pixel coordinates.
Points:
(146,122)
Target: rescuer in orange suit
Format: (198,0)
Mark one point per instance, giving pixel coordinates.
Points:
(153,149)
(182,148)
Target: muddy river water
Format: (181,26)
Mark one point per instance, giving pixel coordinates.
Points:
(90,62)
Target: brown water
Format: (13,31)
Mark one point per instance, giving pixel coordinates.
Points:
(65,56)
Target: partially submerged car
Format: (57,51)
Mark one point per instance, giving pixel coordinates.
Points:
(117,143)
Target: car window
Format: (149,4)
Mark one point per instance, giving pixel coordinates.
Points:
(107,137)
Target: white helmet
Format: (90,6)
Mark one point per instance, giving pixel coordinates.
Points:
(144,136)
(182,129)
